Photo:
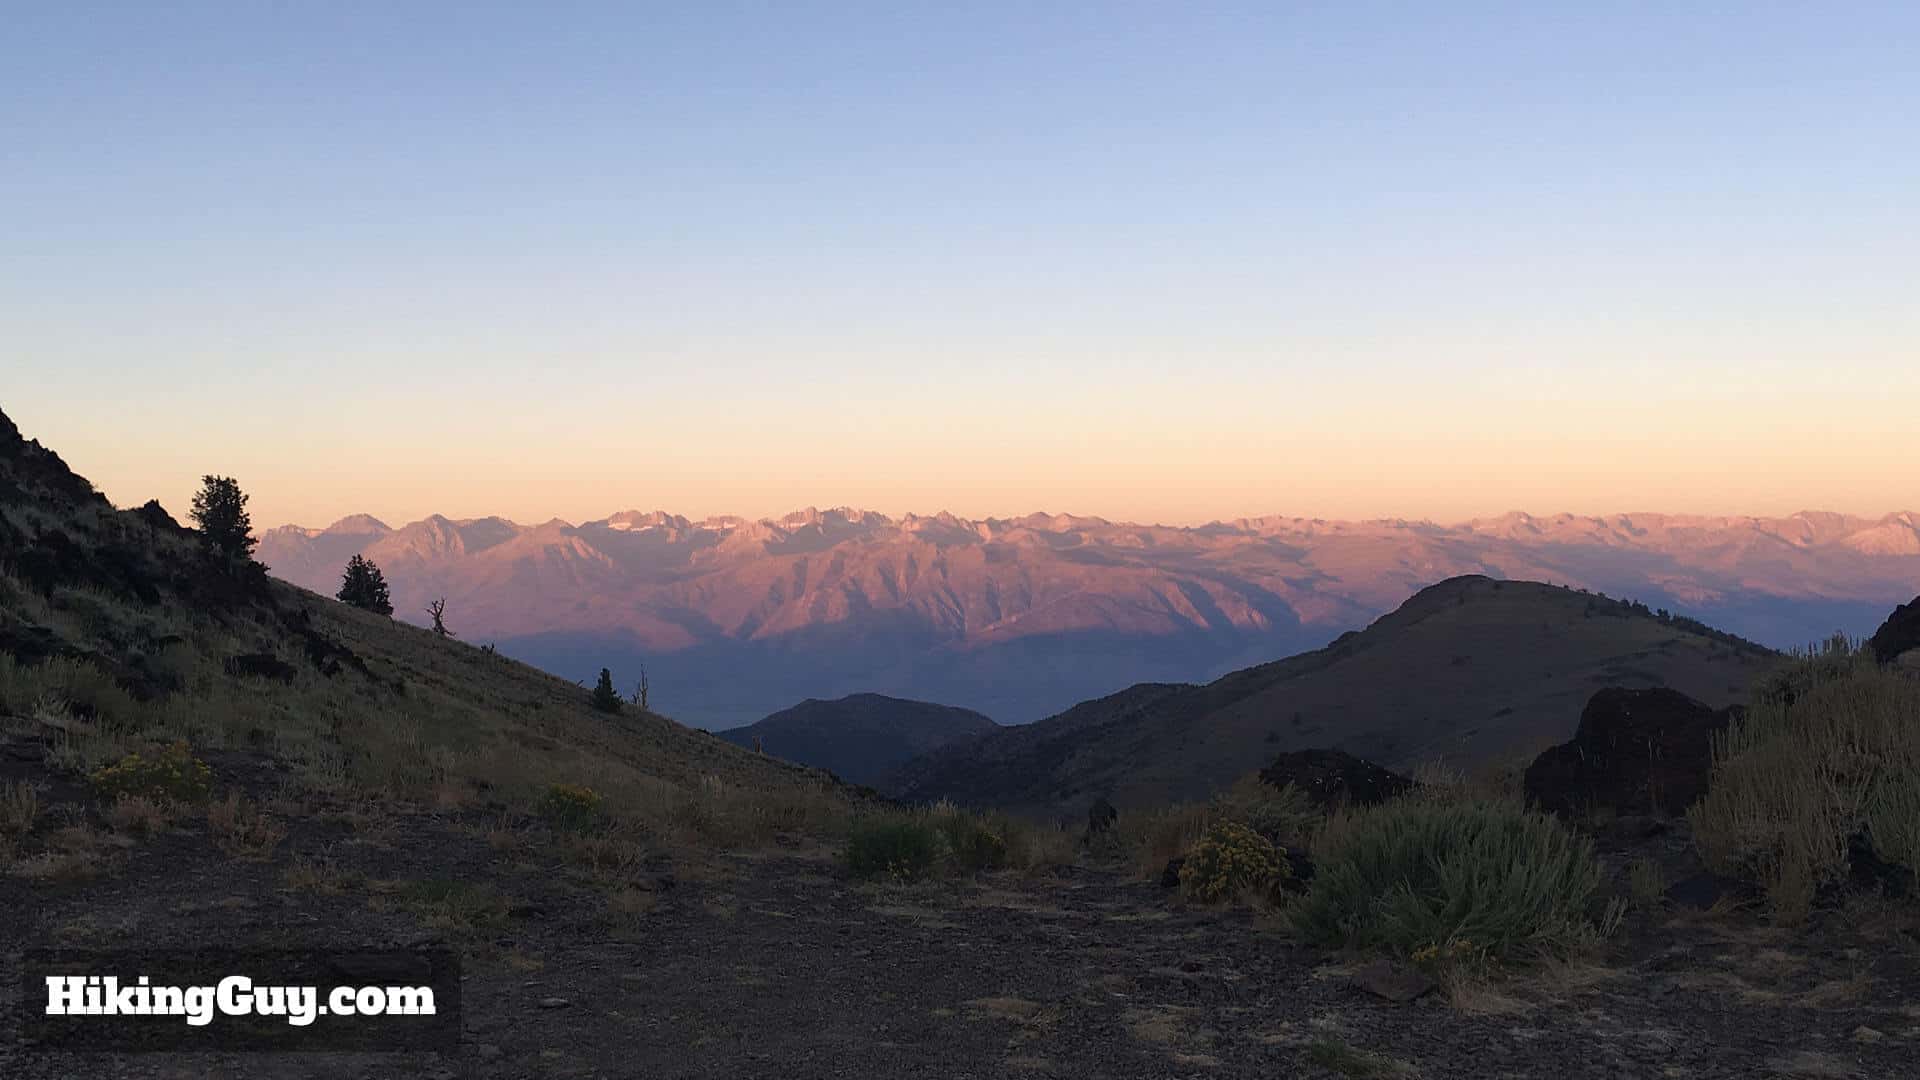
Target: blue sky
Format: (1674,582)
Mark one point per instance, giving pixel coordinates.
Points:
(1167,262)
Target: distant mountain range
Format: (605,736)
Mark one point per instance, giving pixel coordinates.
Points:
(860,738)
(1020,618)
(1470,671)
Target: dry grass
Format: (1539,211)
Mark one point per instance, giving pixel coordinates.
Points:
(1828,753)
(74,853)
(242,829)
(319,875)
(139,814)
(19,805)
(1150,838)
(1647,882)
(408,718)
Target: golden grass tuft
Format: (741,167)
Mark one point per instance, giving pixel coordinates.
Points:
(1828,754)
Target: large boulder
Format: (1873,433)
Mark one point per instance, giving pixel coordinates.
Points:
(1899,634)
(1331,778)
(1636,752)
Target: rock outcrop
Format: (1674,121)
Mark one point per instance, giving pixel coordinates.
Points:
(1636,752)
(1333,778)
(1899,635)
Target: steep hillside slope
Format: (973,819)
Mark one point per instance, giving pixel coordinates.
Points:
(1022,617)
(117,631)
(862,737)
(1469,670)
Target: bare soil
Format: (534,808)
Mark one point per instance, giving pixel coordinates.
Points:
(775,964)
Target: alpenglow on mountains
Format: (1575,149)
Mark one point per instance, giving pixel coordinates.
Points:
(1020,618)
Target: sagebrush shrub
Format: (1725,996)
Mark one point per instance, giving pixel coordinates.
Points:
(971,843)
(901,850)
(1229,861)
(1410,875)
(170,774)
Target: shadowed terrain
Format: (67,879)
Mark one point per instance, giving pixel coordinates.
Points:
(860,738)
(1471,671)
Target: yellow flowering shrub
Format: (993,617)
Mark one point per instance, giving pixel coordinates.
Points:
(170,774)
(1230,859)
(571,806)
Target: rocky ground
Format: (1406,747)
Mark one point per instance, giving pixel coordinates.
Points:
(773,963)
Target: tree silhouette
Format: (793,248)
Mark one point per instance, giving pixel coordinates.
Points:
(640,691)
(364,587)
(437,609)
(604,697)
(220,510)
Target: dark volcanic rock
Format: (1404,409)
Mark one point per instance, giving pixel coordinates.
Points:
(1899,634)
(263,665)
(1170,877)
(1636,752)
(1392,981)
(1335,778)
(1100,816)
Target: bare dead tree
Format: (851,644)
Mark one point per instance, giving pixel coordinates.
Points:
(437,609)
(640,691)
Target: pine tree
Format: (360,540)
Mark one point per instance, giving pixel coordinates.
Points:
(220,510)
(364,587)
(605,698)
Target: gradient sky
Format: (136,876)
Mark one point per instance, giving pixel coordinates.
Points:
(1159,261)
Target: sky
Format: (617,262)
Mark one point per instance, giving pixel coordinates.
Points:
(1157,262)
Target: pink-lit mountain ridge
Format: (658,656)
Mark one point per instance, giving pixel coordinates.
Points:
(1021,617)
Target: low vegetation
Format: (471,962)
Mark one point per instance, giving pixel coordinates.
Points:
(1414,874)
(572,806)
(1231,861)
(907,845)
(170,774)
(1820,777)
(1154,837)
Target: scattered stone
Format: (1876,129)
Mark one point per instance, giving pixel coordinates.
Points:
(1392,981)
(633,978)
(1636,752)
(260,665)
(1170,877)
(1332,778)
(1100,817)
(1899,634)
(1865,1034)
(1868,872)
(554,1003)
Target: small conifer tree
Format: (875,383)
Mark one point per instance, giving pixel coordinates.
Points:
(220,511)
(605,698)
(364,587)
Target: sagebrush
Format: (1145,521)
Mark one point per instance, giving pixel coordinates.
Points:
(1416,874)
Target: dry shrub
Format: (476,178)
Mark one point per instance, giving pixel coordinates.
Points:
(74,853)
(1827,756)
(139,814)
(318,875)
(1282,815)
(242,829)
(19,805)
